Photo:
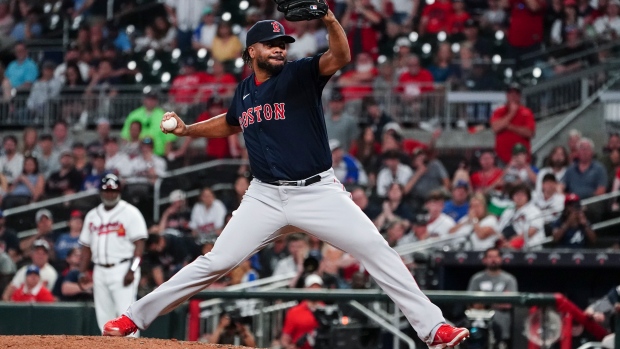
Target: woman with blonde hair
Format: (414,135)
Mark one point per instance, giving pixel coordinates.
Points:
(479,226)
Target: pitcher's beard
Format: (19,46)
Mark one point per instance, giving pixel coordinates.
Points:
(268,67)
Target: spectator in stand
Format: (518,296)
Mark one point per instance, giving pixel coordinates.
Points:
(435,17)
(494,279)
(524,218)
(148,166)
(478,225)
(68,241)
(519,169)
(44,232)
(603,310)
(11,242)
(271,255)
(62,140)
(574,136)
(67,287)
(393,172)
(442,67)
(370,209)
(71,103)
(185,16)
(429,175)
(384,82)
(298,249)
(512,123)
(72,57)
(526,29)
(104,78)
(300,322)
(489,176)
(186,85)
(208,214)
(374,116)
(348,170)
(115,161)
(47,156)
(32,290)
(361,21)
(573,229)
(394,207)
(458,206)
(29,27)
(340,125)
(572,49)
(231,331)
(241,185)
(160,35)
(67,180)
(556,164)
(305,44)
(23,71)
(457,19)
(226,45)
(217,148)
(81,162)
(356,83)
(94,171)
(438,224)
(481,46)
(175,219)
(103,133)
(40,258)
(29,141)
(149,115)
(6,20)
(5,90)
(608,26)
(416,80)
(131,146)
(205,32)
(221,83)
(30,184)
(7,266)
(493,18)
(12,161)
(367,150)
(586,177)
(549,201)
(569,24)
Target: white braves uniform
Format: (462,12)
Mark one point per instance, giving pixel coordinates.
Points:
(111,234)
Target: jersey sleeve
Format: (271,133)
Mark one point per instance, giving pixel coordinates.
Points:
(137,229)
(307,70)
(84,238)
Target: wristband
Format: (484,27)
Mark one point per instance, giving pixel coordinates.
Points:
(135,264)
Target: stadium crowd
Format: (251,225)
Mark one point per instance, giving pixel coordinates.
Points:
(501,197)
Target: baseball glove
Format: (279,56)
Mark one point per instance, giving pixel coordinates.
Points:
(302,10)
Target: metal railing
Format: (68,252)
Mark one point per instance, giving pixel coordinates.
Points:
(50,202)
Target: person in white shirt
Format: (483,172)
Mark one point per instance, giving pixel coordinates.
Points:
(12,162)
(299,249)
(522,225)
(72,56)
(394,171)
(45,89)
(40,257)
(556,163)
(305,44)
(208,216)
(146,167)
(549,201)
(115,161)
(478,226)
(608,26)
(438,223)
(204,34)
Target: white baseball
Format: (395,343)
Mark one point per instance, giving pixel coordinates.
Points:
(169,124)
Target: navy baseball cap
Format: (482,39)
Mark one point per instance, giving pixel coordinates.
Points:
(32,269)
(266,31)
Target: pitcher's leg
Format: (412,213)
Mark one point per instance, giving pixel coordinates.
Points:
(252,226)
(335,219)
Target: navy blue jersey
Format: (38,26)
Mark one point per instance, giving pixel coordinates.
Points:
(282,121)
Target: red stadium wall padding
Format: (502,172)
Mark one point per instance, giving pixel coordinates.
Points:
(193,322)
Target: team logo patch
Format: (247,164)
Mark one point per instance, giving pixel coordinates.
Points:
(276,27)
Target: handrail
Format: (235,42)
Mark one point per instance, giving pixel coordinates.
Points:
(50,202)
(157,199)
(425,244)
(605,224)
(31,232)
(598,198)
(573,114)
(386,325)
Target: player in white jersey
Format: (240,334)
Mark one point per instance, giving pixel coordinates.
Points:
(113,238)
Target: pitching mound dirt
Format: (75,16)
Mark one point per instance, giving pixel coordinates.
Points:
(84,342)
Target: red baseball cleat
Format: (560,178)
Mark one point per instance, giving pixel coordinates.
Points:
(448,337)
(120,327)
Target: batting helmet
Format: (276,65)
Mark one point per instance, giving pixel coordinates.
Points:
(110,182)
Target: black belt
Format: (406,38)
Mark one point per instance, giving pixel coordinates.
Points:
(112,265)
(301,183)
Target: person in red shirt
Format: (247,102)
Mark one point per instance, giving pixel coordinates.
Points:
(512,123)
(525,32)
(33,289)
(300,321)
(435,17)
(357,83)
(217,148)
(415,80)
(362,22)
(489,176)
(185,87)
(220,82)
(458,17)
